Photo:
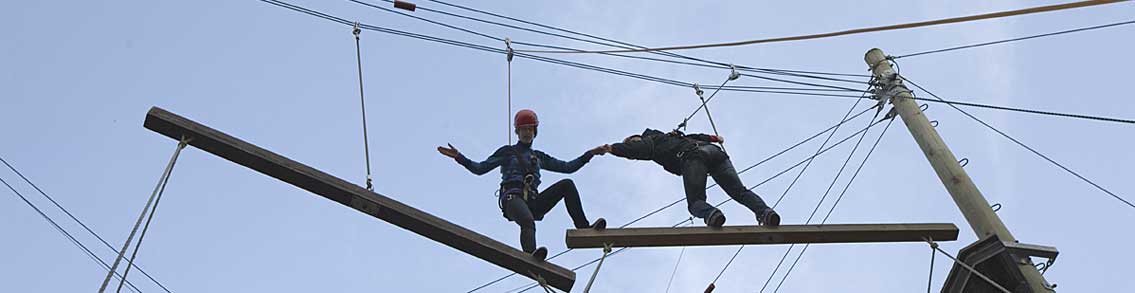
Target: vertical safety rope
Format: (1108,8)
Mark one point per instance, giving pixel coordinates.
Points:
(362,103)
(156,194)
(508,115)
(606,251)
(733,75)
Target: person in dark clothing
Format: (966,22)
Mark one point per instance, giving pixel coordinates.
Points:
(693,157)
(520,166)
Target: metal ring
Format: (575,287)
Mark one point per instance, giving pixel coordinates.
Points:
(923,107)
(963,162)
(996,207)
(1040,266)
(934,123)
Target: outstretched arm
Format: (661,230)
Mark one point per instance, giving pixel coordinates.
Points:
(479,168)
(556,165)
(635,150)
(707,137)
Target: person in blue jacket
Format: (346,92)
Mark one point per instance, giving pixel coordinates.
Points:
(520,165)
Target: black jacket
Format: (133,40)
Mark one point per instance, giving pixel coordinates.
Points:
(666,149)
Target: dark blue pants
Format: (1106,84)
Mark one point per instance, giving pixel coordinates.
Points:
(712,161)
(526,213)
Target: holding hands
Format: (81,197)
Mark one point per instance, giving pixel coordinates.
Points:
(600,150)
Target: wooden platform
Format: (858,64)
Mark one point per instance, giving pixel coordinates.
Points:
(357,197)
(754,235)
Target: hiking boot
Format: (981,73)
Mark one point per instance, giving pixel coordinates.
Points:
(599,224)
(769,219)
(540,253)
(715,219)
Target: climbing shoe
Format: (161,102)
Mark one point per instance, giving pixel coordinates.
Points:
(599,224)
(540,253)
(770,218)
(715,219)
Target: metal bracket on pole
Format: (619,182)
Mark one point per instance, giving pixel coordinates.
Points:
(508,49)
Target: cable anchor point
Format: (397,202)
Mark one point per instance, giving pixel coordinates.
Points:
(508,49)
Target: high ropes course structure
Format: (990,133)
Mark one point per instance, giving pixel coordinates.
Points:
(997,262)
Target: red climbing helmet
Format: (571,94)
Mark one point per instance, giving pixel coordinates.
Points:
(526,118)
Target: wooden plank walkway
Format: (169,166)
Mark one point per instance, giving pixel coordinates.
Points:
(357,197)
(752,235)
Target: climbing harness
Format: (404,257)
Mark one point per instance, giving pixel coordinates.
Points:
(527,190)
(155,197)
(362,103)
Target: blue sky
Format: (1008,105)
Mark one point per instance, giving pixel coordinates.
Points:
(78,76)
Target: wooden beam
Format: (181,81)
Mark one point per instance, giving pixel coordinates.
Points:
(737,235)
(357,197)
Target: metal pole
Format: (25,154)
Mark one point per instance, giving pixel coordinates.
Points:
(968,198)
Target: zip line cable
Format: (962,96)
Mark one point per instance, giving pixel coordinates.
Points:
(794,180)
(781,72)
(74,241)
(1017,39)
(860,30)
(1030,149)
(613,43)
(648,77)
(820,202)
(841,194)
(76,219)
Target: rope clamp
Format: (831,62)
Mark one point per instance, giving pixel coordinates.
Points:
(733,74)
(698,91)
(508,47)
(355,31)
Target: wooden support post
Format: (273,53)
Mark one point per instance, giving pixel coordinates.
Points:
(357,197)
(750,235)
(967,197)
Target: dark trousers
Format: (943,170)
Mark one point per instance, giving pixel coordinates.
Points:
(526,213)
(711,160)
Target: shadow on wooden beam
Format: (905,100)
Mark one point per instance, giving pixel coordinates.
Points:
(354,196)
